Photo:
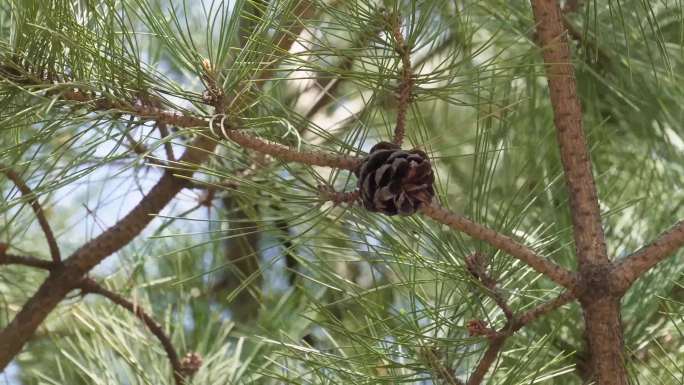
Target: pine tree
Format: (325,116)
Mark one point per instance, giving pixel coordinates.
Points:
(204,192)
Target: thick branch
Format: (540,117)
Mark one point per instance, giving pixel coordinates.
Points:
(65,278)
(88,286)
(37,209)
(584,206)
(502,242)
(10,259)
(634,266)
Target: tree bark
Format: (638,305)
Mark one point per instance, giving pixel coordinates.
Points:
(601,306)
(605,341)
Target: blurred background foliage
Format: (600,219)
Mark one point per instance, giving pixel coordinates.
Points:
(267,283)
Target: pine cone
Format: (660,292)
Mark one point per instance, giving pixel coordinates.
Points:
(394,181)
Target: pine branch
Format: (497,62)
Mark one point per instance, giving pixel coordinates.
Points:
(541,310)
(502,242)
(406,81)
(224,130)
(287,154)
(305,9)
(584,207)
(143,111)
(65,277)
(37,209)
(11,259)
(446,374)
(476,264)
(497,339)
(638,263)
(164,133)
(328,89)
(487,360)
(327,193)
(88,286)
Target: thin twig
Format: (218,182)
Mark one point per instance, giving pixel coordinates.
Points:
(571,6)
(635,265)
(88,286)
(328,89)
(164,133)
(584,207)
(304,9)
(406,81)
(590,45)
(476,264)
(502,242)
(37,209)
(141,149)
(444,373)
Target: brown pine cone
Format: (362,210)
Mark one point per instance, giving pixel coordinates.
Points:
(394,181)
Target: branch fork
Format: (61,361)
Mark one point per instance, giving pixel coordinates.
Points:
(476,264)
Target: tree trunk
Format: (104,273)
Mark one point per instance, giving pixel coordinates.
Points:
(605,340)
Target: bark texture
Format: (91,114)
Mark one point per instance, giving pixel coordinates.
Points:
(601,307)
(584,207)
(605,341)
(649,256)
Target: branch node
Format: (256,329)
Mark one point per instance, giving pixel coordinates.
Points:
(480,328)
(328,193)
(191,363)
